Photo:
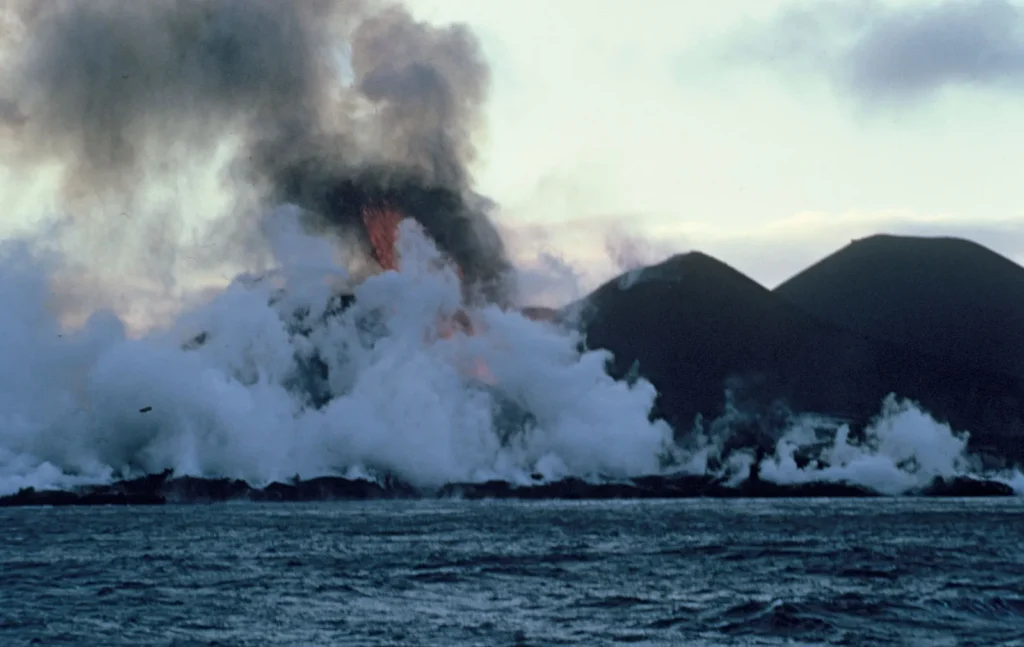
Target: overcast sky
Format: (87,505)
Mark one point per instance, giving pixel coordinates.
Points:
(764,133)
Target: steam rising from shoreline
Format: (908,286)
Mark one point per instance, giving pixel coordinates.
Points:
(93,405)
(235,406)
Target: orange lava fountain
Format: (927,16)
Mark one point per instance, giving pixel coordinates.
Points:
(382,227)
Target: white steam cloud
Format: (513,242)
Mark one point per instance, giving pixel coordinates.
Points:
(400,402)
(904,449)
(92,405)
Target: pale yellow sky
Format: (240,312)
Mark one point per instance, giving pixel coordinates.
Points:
(767,142)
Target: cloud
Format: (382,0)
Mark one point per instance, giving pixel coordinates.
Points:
(894,52)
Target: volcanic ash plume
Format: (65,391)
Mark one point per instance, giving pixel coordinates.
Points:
(331,105)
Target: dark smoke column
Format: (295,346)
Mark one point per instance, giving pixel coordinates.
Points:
(426,87)
(113,90)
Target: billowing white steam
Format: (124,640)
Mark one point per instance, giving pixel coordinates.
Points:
(404,404)
(902,450)
(92,405)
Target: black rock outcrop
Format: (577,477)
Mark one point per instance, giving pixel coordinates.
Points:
(161,489)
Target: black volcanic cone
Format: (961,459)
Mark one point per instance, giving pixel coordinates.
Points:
(943,296)
(695,326)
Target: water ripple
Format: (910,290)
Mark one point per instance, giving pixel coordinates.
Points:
(516,573)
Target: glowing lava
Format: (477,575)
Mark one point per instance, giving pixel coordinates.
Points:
(382,225)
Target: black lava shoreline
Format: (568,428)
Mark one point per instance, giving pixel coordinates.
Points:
(163,489)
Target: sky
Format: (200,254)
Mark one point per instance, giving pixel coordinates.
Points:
(765,133)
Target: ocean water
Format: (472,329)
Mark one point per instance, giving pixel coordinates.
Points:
(698,572)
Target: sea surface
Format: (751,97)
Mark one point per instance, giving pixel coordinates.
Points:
(698,572)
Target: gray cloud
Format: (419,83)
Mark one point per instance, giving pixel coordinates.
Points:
(880,52)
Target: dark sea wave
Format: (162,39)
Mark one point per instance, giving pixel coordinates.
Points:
(695,572)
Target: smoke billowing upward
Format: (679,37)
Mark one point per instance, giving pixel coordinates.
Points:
(330,104)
